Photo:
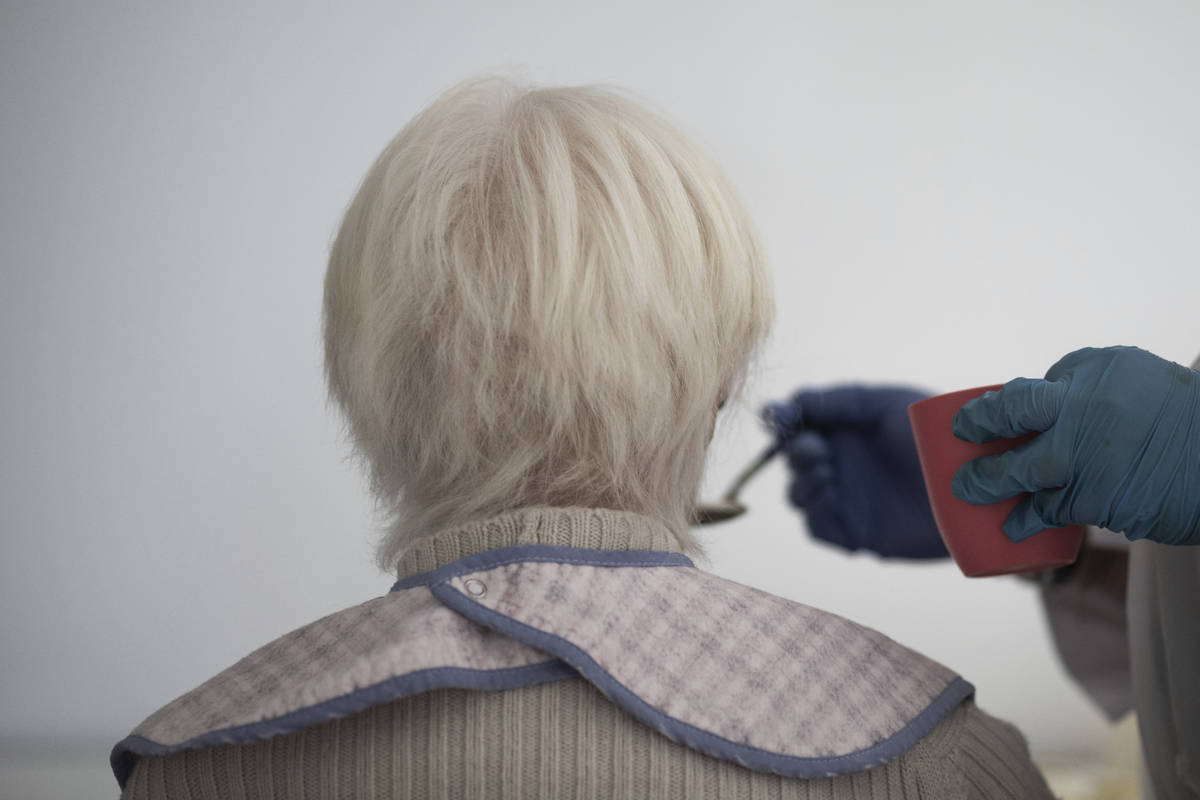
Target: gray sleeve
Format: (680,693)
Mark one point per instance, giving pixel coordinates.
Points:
(1088,623)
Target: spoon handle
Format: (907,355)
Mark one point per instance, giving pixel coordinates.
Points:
(751,470)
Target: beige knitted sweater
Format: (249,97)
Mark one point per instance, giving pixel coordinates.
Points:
(562,739)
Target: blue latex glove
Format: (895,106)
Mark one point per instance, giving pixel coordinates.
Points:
(855,471)
(1121,448)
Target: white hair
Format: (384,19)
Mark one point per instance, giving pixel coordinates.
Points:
(539,297)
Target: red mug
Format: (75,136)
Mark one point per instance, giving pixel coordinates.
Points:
(973,534)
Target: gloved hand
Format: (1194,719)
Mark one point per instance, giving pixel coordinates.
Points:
(1121,447)
(855,471)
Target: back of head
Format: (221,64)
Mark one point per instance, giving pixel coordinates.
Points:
(538,297)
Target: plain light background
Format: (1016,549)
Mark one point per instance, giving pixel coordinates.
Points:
(952,194)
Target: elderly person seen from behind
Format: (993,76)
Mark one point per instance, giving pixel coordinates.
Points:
(536,303)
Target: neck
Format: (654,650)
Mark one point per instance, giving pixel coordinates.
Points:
(591,528)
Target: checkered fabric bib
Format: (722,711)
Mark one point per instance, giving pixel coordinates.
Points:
(725,669)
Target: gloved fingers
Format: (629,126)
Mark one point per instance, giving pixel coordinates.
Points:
(781,418)
(813,474)
(1039,511)
(1021,406)
(807,450)
(852,405)
(810,495)
(1066,366)
(1029,468)
(814,489)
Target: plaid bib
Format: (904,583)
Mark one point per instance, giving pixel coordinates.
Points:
(728,670)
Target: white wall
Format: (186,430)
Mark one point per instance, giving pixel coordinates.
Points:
(951,196)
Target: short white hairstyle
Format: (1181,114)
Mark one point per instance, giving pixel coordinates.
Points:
(539,297)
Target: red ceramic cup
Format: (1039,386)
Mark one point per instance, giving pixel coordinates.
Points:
(974,535)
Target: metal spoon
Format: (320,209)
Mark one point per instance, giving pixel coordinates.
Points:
(729,507)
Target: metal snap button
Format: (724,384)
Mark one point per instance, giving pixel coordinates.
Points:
(475,587)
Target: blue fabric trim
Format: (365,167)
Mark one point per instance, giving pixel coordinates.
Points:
(126,752)
(542,553)
(754,758)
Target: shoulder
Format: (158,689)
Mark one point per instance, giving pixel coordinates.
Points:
(976,755)
(724,669)
(394,646)
(566,734)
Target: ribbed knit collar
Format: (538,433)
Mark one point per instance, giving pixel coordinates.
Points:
(592,528)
